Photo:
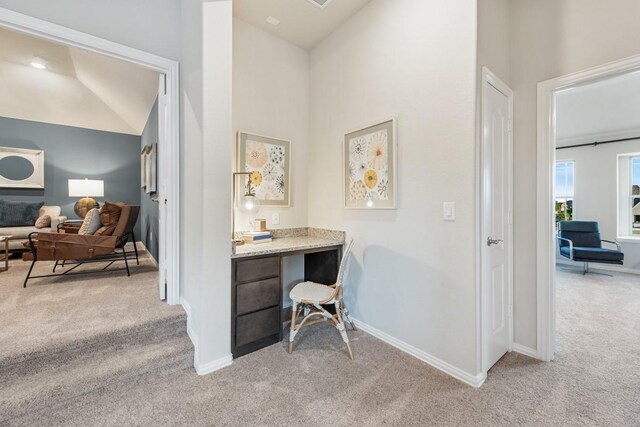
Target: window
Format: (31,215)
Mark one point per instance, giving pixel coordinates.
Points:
(629,196)
(634,195)
(564,189)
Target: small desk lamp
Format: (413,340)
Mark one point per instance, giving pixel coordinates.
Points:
(85,188)
(248,203)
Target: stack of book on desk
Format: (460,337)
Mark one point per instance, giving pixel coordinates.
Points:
(257,237)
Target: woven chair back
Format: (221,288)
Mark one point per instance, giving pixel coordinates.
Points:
(344,264)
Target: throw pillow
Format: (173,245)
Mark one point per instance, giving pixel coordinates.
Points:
(43,221)
(109,216)
(18,214)
(91,222)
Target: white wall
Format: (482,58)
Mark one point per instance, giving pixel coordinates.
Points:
(414,275)
(206,265)
(596,191)
(493,39)
(271,98)
(550,38)
(149,25)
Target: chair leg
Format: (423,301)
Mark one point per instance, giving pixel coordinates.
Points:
(135,247)
(29,273)
(126,263)
(341,328)
(55,265)
(292,330)
(346,316)
(585,268)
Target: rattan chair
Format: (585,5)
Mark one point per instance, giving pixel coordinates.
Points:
(309,297)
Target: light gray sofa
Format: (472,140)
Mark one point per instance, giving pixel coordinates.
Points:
(20,234)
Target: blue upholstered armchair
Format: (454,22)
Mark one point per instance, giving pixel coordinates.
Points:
(580,241)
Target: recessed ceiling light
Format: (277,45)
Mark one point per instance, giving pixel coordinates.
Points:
(38,65)
(273,21)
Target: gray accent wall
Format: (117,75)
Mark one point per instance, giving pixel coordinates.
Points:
(149,210)
(75,153)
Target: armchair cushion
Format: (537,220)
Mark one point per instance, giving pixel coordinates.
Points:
(109,216)
(581,233)
(581,253)
(62,246)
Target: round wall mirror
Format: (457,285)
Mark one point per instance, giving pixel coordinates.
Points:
(16,168)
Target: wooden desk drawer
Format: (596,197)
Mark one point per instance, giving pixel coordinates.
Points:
(261,324)
(251,270)
(257,295)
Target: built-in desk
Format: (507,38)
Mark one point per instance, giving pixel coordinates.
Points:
(256,282)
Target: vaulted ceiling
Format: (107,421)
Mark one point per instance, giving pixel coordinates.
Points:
(301,22)
(78,88)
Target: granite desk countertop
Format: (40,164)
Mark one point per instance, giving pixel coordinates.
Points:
(292,240)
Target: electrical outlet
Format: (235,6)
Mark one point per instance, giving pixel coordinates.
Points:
(275,218)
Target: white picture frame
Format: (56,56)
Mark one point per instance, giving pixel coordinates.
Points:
(34,157)
(151,165)
(381,191)
(280,194)
(143,167)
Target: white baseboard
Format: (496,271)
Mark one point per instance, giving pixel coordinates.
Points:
(527,351)
(207,368)
(204,368)
(595,266)
(140,244)
(192,335)
(457,373)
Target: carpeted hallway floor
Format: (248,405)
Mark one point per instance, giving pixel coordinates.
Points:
(595,379)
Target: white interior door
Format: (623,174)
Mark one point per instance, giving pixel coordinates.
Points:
(496,216)
(163,165)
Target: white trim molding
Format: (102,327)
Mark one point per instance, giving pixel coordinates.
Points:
(527,351)
(441,365)
(59,34)
(205,368)
(546,253)
(214,365)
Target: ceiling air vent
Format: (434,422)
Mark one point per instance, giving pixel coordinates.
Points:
(321,3)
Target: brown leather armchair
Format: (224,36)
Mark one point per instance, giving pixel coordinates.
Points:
(74,249)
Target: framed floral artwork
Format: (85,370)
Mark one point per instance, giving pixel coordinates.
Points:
(271,158)
(370,167)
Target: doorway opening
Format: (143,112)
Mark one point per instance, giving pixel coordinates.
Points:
(588,145)
(167,191)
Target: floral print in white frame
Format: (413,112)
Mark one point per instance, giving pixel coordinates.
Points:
(271,158)
(370,167)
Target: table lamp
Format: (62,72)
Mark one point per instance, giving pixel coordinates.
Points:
(248,203)
(86,189)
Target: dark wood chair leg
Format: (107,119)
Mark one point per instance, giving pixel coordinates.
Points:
(55,266)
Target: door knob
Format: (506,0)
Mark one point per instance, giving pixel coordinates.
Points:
(491,241)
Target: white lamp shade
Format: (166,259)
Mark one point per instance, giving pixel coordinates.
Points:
(86,188)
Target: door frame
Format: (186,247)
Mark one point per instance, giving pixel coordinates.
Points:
(489,78)
(546,250)
(169,155)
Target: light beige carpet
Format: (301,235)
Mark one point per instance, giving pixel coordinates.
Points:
(595,380)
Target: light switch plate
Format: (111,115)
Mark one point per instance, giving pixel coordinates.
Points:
(275,218)
(449,211)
